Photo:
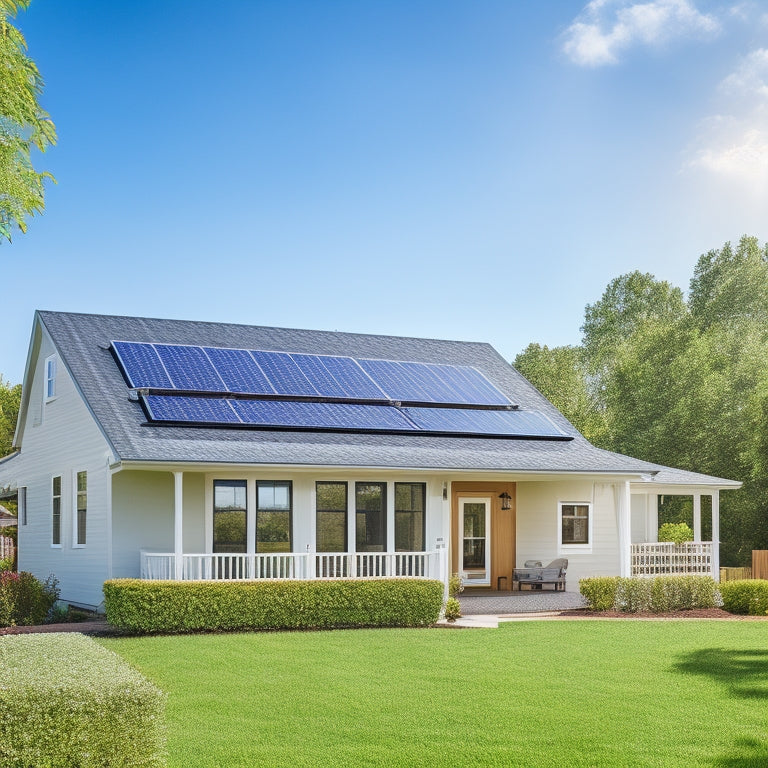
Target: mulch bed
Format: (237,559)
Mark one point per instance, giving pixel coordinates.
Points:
(694,613)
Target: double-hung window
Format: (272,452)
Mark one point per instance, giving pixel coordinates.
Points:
(575,525)
(410,502)
(273,516)
(56,512)
(229,516)
(82,508)
(50,378)
(331,505)
(371,517)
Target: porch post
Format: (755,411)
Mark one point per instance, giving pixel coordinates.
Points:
(697,516)
(652,517)
(623,506)
(716,535)
(178,528)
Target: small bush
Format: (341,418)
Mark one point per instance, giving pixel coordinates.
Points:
(189,606)
(599,592)
(679,533)
(67,701)
(747,596)
(452,609)
(455,584)
(24,600)
(6,564)
(657,595)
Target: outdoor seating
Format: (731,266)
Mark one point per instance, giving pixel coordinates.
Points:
(536,576)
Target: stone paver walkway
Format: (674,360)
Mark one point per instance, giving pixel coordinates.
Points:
(504,603)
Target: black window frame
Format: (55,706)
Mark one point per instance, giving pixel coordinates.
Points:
(320,510)
(423,487)
(231,484)
(81,508)
(358,512)
(56,511)
(289,511)
(587,520)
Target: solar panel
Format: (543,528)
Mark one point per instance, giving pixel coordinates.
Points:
(142,365)
(198,410)
(189,368)
(470,385)
(321,415)
(353,379)
(283,373)
(239,371)
(322,380)
(483,422)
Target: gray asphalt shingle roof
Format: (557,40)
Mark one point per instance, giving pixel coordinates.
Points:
(83,344)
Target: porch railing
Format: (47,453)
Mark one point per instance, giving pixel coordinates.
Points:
(665,558)
(304,566)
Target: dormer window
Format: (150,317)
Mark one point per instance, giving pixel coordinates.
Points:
(50,378)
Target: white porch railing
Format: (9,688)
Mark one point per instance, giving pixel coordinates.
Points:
(665,558)
(303,566)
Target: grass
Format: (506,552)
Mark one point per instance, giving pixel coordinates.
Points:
(570,693)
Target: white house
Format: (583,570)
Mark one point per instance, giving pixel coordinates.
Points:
(190,450)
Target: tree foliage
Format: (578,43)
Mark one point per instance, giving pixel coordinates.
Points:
(10,400)
(23,125)
(681,383)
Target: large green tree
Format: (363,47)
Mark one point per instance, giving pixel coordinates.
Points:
(24,125)
(10,399)
(679,383)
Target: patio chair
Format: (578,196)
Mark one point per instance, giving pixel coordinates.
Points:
(537,576)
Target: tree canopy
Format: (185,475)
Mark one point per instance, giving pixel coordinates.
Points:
(681,383)
(23,125)
(10,400)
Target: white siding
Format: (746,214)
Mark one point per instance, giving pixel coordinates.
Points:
(61,438)
(537,527)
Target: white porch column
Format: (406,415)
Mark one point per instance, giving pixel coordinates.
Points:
(623,502)
(697,516)
(652,517)
(178,527)
(716,535)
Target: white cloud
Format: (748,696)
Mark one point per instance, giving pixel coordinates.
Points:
(606,28)
(734,143)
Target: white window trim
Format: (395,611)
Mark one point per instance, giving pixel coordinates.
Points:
(75,473)
(51,359)
(61,509)
(574,548)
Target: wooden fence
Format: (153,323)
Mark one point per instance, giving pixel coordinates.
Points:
(7,548)
(735,574)
(760,563)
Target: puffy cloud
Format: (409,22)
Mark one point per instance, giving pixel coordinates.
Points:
(606,28)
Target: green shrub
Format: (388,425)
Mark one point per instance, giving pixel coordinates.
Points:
(67,701)
(452,609)
(676,532)
(659,594)
(6,564)
(599,592)
(178,606)
(455,584)
(24,600)
(747,596)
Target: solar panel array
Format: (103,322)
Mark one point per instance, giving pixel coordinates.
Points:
(212,386)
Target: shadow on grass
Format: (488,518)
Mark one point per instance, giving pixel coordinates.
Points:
(744,673)
(747,753)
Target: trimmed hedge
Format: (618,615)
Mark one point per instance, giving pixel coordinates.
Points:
(188,606)
(67,701)
(659,594)
(747,596)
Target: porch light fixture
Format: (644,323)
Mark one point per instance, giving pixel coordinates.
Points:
(506,500)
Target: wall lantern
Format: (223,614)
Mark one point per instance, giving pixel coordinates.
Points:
(506,500)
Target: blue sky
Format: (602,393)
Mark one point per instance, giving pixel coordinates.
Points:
(445,169)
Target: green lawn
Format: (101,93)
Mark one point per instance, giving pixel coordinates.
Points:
(563,693)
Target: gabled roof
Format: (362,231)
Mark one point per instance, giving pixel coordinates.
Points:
(83,343)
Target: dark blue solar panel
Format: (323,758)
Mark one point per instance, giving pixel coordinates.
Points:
(239,371)
(189,368)
(322,380)
(284,375)
(142,365)
(469,385)
(201,410)
(320,415)
(353,379)
(394,380)
(483,422)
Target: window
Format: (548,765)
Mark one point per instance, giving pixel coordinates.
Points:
(331,517)
(56,512)
(575,524)
(370,517)
(50,377)
(82,507)
(229,516)
(410,502)
(23,504)
(273,516)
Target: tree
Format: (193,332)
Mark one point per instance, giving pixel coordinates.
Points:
(10,400)
(23,125)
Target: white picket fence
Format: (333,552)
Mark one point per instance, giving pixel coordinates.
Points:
(303,566)
(7,548)
(668,559)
